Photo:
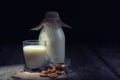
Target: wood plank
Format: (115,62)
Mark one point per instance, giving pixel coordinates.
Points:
(111,56)
(83,61)
(11,54)
(90,66)
(9,73)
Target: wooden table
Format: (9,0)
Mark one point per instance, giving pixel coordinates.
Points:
(89,62)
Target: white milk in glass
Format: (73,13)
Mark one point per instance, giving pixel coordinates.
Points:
(34,55)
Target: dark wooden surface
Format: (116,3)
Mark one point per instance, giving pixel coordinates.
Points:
(90,62)
(111,56)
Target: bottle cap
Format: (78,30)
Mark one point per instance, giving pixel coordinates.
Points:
(52,15)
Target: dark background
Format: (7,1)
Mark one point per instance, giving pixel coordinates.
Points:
(91,21)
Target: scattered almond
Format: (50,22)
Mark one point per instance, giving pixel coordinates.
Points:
(63,72)
(53,70)
(43,75)
(49,71)
(44,72)
(58,72)
(57,69)
(53,75)
(58,66)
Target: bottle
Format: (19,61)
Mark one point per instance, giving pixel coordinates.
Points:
(53,35)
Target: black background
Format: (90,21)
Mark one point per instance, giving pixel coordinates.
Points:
(91,21)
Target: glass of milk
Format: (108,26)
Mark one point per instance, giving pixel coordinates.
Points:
(34,53)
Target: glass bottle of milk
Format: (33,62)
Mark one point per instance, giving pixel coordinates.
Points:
(54,36)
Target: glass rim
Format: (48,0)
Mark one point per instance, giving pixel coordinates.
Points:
(33,41)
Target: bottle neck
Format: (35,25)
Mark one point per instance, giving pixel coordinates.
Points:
(53,25)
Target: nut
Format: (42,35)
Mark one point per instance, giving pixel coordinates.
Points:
(58,72)
(43,75)
(58,66)
(53,75)
(57,69)
(63,72)
(49,71)
(63,65)
(44,72)
(53,70)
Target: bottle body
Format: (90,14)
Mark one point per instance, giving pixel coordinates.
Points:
(55,43)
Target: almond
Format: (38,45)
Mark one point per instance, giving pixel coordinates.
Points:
(63,72)
(43,75)
(58,72)
(44,72)
(53,75)
(58,66)
(53,70)
(49,71)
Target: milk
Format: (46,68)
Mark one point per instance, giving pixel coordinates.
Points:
(55,43)
(35,56)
